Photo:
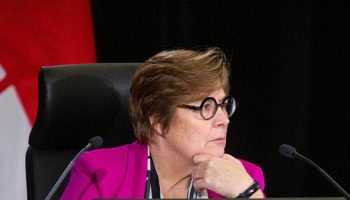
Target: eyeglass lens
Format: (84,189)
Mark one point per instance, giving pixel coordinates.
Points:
(210,106)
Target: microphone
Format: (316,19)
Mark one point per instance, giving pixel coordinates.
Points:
(94,143)
(290,152)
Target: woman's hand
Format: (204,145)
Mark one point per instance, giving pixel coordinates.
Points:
(225,175)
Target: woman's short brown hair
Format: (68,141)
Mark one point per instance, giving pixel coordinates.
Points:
(171,78)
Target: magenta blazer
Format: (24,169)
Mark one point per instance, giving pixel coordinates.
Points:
(120,172)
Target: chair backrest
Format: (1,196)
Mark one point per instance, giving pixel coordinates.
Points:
(76,102)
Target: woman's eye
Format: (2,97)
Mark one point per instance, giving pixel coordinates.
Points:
(206,106)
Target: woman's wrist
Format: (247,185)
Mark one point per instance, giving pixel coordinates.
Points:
(250,190)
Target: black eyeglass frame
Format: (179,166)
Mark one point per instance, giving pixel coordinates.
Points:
(222,105)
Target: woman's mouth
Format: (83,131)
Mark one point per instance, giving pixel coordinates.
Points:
(219,140)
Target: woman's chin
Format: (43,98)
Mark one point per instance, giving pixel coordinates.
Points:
(216,151)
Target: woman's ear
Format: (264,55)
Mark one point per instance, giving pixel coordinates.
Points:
(156,126)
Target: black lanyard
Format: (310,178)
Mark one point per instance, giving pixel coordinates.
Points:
(154,182)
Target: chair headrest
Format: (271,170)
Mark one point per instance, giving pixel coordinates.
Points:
(77,102)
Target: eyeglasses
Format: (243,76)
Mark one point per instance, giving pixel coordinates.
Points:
(209,106)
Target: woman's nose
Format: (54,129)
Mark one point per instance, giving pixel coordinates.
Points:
(220,118)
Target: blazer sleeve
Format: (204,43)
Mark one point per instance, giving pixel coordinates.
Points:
(81,185)
(255,172)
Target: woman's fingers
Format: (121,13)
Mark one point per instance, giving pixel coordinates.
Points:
(224,175)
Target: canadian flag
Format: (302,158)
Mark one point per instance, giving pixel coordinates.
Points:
(33,34)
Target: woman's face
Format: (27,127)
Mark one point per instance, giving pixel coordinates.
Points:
(190,134)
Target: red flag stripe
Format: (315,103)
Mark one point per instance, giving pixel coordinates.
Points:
(40,33)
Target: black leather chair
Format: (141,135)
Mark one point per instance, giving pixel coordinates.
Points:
(76,102)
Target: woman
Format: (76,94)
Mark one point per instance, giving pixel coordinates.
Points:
(180,109)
